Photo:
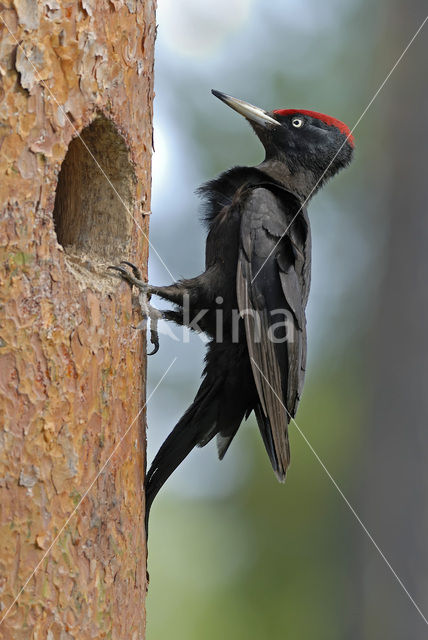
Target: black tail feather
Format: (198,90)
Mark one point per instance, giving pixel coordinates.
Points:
(197,426)
(224,398)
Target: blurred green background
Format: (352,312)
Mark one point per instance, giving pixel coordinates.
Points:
(233,554)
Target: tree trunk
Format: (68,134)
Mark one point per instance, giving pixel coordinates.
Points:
(72,369)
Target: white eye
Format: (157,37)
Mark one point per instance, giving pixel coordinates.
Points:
(297,122)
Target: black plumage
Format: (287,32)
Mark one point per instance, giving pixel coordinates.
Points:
(257,273)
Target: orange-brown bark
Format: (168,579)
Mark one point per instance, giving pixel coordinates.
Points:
(72,369)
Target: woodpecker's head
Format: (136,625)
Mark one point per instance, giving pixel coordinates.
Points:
(302,147)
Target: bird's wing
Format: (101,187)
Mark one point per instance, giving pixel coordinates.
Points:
(272,290)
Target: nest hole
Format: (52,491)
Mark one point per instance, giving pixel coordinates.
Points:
(95,194)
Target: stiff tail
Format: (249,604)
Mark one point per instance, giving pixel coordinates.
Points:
(196,427)
(224,399)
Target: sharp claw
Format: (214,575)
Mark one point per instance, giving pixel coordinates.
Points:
(121,270)
(124,274)
(135,270)
(155,350)
(147,310)
(154,336)
(132,279)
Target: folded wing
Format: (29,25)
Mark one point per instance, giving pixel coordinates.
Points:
(272,288)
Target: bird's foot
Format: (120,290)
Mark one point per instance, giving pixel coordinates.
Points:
(133,278)
(145,290)
(154,315)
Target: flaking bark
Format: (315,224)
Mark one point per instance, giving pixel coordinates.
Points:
(72,371)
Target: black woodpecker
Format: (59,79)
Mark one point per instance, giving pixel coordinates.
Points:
(257,273)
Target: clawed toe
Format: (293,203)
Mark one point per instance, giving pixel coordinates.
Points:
(147,310)
(154,315)
(121,270)
(154,339)
(135,270)
(154,336)
(133,278)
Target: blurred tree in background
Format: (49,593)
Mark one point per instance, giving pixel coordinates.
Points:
(395,486)
(232,553)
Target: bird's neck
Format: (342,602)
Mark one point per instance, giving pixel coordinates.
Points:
(298,180)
